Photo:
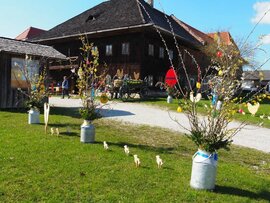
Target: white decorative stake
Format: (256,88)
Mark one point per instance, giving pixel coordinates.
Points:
(159,161)
(106,146)
(137,160)
(46,115)
(195,99)
(126,150)
(253,108)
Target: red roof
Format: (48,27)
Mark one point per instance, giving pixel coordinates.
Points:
(200,36)
(30,33)
(225,37)
(204,38)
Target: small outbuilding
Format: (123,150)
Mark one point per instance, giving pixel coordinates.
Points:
(12,56)
(256,80)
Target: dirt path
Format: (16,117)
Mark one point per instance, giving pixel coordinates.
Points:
(251,136)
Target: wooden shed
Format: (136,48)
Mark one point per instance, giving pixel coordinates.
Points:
(12,53)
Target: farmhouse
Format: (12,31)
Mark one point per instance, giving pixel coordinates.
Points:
(255,80)
(126,33)
(12,58)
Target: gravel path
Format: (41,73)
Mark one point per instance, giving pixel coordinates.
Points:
(251,136)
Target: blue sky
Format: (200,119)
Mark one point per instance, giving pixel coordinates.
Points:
(236,16)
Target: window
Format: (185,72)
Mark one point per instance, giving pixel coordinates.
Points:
(125,48)
(151,50)
(161,52)
(171,54)
(149,80)
(22,70)
(109,50)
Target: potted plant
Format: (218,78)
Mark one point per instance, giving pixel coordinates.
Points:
(212,132)
(170,90)
(87,83)
(34,103)
(87,128)
(35,93)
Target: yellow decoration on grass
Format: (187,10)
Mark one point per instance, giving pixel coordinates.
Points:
(179,109)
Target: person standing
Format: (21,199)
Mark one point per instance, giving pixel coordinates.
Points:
(65,87)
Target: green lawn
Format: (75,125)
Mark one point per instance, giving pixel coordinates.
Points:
(264,109)
(35,167)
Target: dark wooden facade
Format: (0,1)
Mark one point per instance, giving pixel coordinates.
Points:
(138,60)
(9,97)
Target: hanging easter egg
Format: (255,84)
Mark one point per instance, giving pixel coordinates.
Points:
(179,109)
(87,62)
(42,88)
(198,85)
(220,73)
(214,99)
(92,93)
(104,98)
(171,77)
(219,54)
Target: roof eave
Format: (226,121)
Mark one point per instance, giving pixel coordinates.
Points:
(95,32)
(48,57)
(180,37)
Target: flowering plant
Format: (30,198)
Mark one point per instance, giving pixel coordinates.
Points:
(36,92)
(212,132)
(171,91)
(89,79)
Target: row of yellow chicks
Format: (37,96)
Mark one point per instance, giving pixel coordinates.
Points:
(137,160)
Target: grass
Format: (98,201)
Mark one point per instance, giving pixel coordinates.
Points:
(264,109)
(38,167)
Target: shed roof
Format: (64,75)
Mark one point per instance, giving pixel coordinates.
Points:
(114,15)
(199,35)
(256,75)
(22,47)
